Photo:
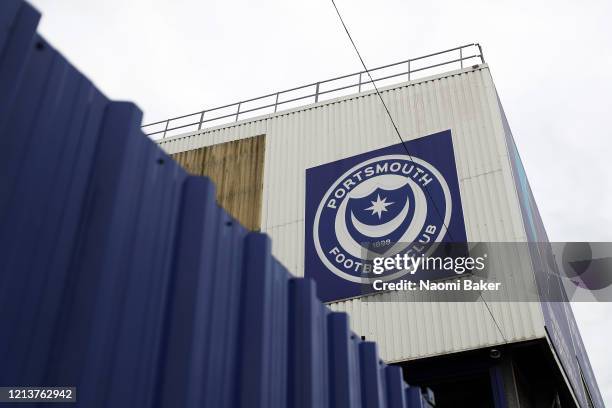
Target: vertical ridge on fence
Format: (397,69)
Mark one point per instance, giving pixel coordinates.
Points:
(258,322)
(186,322)
(372,390)
(121,275)
(18,23)
(396,395)
(308,354)
(344,363)
(414,398)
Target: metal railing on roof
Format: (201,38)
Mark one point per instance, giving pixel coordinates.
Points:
(425,65)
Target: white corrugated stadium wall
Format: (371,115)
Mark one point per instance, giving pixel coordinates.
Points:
(464,101)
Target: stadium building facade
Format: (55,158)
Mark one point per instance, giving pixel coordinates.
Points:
(299,164)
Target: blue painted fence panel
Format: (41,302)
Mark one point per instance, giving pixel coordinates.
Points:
(120,275)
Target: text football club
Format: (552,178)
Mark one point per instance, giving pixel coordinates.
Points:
(394,200)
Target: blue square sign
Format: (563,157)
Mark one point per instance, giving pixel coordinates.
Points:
(383,200)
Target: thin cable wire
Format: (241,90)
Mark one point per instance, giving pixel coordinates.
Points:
(494,319)
(397,132)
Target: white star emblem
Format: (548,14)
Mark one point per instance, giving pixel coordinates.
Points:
(379,206)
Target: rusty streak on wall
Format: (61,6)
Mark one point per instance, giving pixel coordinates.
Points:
(237,169)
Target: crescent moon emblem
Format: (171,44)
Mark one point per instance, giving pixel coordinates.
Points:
(380,230)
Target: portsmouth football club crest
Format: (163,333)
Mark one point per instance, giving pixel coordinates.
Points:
(395,200)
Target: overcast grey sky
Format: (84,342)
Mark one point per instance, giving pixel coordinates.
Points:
(551,61)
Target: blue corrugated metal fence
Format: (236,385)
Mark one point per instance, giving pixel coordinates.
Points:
(120,275)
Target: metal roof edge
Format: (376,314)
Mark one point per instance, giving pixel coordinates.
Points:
(477,67)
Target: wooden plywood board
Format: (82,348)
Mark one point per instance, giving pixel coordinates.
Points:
(236,168)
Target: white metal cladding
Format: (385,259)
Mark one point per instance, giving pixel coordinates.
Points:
(409,330)
(464,101)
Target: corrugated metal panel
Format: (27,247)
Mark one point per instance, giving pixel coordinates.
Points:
(464,101)
(406,330)
(121,276)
